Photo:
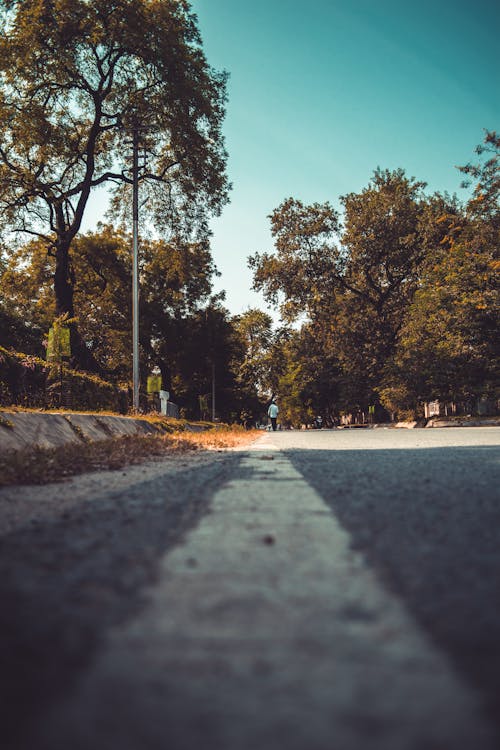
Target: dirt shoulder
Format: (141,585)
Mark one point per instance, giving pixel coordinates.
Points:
(28,505)
(37,448)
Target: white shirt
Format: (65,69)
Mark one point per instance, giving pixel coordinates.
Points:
(273,411)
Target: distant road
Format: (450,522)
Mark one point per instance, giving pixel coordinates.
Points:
(322,590)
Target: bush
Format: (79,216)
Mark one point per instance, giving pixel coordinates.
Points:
(400,403)
(28,381)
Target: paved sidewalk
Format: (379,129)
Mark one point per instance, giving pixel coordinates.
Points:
(267,632)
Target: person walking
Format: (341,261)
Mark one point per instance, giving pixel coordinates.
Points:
(273,414)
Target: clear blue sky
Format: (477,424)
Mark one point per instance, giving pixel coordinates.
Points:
(323,92)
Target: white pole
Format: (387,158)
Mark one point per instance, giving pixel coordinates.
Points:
(213,391)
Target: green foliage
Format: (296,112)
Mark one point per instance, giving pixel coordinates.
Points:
(486,175)
(354,290)
(26,380)
(306,258)
(206,350)
(402,308)
(18,333)
(176,281)
(256,356)
(183,330)
(397,306)
(383,252)
(309,383)
(76,77)
(449,342)
(448,345)
(74,74)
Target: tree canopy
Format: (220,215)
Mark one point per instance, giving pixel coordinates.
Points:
(185,330)
(397,298)
(76,77)
(386,304)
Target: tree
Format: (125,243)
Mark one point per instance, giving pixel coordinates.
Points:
(309,383)
(306,261)
(448,346)
(259,362)
(383,253)
(486,173)
(76,77)
(176,288)
(176,281)
(204,364)
(25,279)
(254,329)
(17,334)
(354,288)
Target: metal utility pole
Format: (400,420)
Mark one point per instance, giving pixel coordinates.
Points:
(213,390)
(135,268)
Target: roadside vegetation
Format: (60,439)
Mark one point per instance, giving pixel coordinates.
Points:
(43,465)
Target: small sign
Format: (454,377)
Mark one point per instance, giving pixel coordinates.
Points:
(154,383)
(59,344)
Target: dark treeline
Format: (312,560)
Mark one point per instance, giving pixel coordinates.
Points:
(184,329)
(391,305)
(397,304)
(397,298)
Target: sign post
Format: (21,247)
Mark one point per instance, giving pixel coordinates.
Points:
(58,350)
(59,343)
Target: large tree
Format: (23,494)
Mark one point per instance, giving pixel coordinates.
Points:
(448,347)
(299,275)
(310,379)
(76,78)
(205,364)
(353,283)
(383,252)
(254,365)
(176,280)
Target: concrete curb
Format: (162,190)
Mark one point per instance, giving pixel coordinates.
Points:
(443,422)
(20,430)
(464,422)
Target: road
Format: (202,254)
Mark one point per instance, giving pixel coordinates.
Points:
(328,590)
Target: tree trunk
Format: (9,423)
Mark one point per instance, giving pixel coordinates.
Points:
(64,287)
(166,376)
(63,281)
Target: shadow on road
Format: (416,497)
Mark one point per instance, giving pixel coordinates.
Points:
(428,522)
(63,584)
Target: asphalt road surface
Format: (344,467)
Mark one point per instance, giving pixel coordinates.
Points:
(328,590)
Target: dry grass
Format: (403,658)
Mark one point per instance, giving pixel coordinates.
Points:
(219,438)
(42,465)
